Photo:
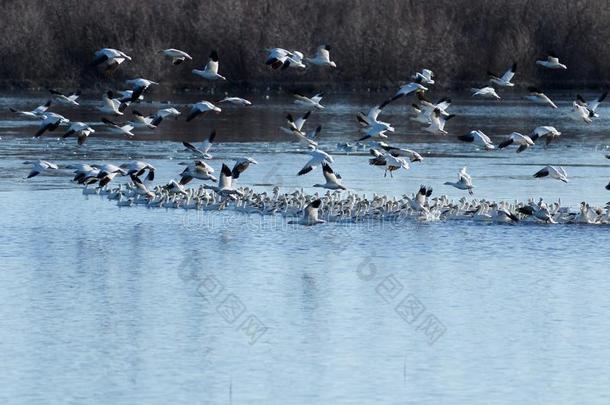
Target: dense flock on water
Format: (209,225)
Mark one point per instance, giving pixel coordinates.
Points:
(337,204)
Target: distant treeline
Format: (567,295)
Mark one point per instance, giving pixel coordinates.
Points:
(375,43)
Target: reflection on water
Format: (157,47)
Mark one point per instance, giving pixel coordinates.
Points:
(106,304)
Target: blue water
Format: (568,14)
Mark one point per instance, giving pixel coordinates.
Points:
(133,305)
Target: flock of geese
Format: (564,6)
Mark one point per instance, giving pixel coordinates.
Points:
(338,204)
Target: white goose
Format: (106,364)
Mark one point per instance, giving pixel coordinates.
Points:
(409,88)
(40,166)
(225,183)
(109,58)
(50,122)
(425,76)
(551,62)
(371,125)
(206,145)
(199,170)
(485,92)
(310,214)
(388,162)
(592,105)
(210,71)
(464,181)
(69,99)
(164,113)
(281,58)
(142,121)
(80,130)
(505,80)
(581,112)
(479,138)
(332,179)
(317,157)
(322,57)
(547,132)
(309,102)
(523,141)
(200,108)
(176,55)
(296,128)
(236,101)
(124,129)
(111,105)
(139,85)
(38,112)
(537,96)
(437,122)
(553,172)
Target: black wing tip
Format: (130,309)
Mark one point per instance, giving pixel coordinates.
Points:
(306,115)
(513,68)
(533,89)
(316,203)
(212,136)
(214,55)
(226,171)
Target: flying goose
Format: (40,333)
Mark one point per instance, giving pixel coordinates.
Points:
(137,168)
(425,76)
(124,129)
(200,108)
(420,202)
(317,157)
(396,151)
(139,85)
(35,113)
(505,80)
(581,112)
(547,132)
(164,113)
(523,141)
(210,71)
(322,57)
(80,130)
(176,55)
(109,58)
(478,138)
(409,88)
(464,181)
(139,120)
(50,122)
(485,92)
(437,122)
(553,172)
(537,96)
(332,179)
(199,170)
(241,164)
(551,62)
(111,105)
(281,58)
(236,100)
(310,214)
(592,105)
(309,101)
(296,128)
(387,161)
(69,99)
(206,145)
(371,125)
(40,166)
(141,188)
(225,183)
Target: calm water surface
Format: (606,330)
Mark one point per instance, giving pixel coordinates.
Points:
(132,305)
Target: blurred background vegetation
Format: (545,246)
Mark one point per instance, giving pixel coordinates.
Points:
(376,43)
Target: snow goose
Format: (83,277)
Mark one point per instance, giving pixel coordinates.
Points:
(523,141)
(139,86)
(547,132)
(241,164)
(80,130)
(322,57)
(581,112)
(138,168)
(409,88)
(210,71)
(124,129)
(396,151)
(236,101)
(592,105)
(437,122)
(310,214)
(296,128)
(464,181)
(35,113)
(281,58)
(502,215)
(479,138)
(553,172)
(40,166)
(420,202)
(110,59)
(141,188)
(388,162)
(309,102)
(111,105)
(317,157)
(425,76)
(537,96)
(175,188)
(206,145)
(332,179)
(199,170)
(69,99)
(370,123)
(485,92)
(200,108)
(50,122)
(551,62)
(139,120)
(164,113)
(225,183)
(505,80)
(176,55)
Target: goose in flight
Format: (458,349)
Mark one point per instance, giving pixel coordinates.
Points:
(537,96)
(505,80)
(69,99)
(126,96)
(199,170)
(50,122)
(551,62)
(425,76)
(164,113)
(241,164)
(110,59)
(397,152)
(592,105)
(281,58)
(370,123)
(225,183)
(523,141)
(111,105)
(420,202)
(138,87)
(296,128)
(309,102)
(479,138)
(409,88)
(464,181)
(176,55)
(40,166)
(553,172)
(137,168)
(332,179)
(80,130)
(581,112)
(387,161)
(317,157)
(201,108)
(437,122)
(310,214)
(141,188)
(547,132)
(485,92)
(140,120)
(210,71)
(206,145)
(124,129)
(236,101)
(322,57)
(38,112)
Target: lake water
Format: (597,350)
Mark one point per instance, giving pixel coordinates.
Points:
(103,304)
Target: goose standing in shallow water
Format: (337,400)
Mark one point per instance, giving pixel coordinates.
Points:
(464,181)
